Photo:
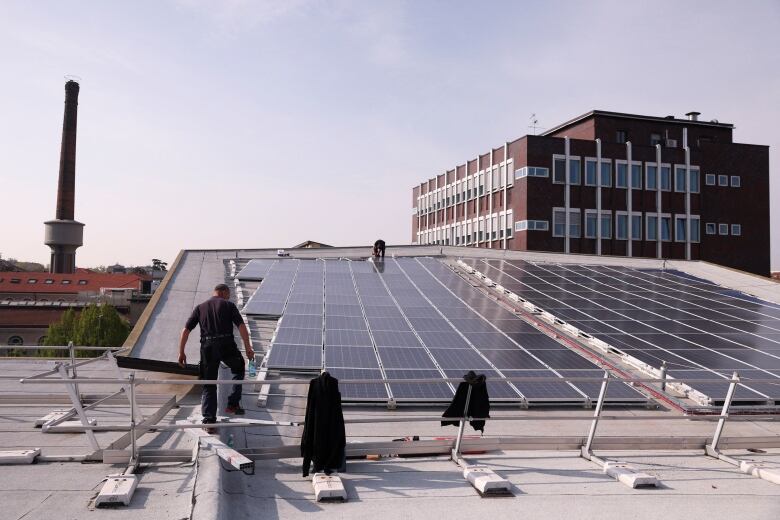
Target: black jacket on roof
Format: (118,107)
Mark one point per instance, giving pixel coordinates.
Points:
(324,438)
(479,403)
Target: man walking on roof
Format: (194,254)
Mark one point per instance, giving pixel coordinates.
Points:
(216,317)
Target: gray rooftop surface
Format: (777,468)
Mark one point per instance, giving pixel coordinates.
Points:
(550,484)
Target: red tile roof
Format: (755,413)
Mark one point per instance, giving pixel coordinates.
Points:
(79,282)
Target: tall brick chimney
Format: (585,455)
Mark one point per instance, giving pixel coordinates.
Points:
(64,235)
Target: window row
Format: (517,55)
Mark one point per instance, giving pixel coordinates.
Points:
(47,281)
(468,188)
(723,180)
(711,228)
(531,171)
(637,225)
(635,177)
(492,227)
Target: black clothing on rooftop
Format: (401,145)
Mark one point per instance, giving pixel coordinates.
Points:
(479,402)
(324,438)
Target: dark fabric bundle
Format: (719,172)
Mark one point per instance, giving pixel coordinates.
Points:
(324,438)
(479,403)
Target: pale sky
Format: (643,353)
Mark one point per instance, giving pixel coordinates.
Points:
(208,124)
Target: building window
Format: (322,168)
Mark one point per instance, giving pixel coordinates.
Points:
(679,178)
(606,174)
(559,222)
(651,226)
(16,280)
(723,229)
(651,176)
(655,139)
(636,176)
(723,180)
(621,136)
(15,341)
(695,232)
(66,282)
(710,228)
(606,224)
(621,175)
(666,178)
(621,226)
(736,181)
(709,179)
(679,228)
(736,230)
(574,223)
(591,221)
(574,172)
(590,172)
(694,180)
(32,280)
(559,170)
(666,228)
(82,282)
(636,227)
(41,341)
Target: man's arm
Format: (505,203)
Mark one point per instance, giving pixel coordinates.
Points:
(185,334)
(250,354)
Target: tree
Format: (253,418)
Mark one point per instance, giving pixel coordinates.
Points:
(95,326)
(159,265)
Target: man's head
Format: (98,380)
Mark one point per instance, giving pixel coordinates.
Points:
(223,291)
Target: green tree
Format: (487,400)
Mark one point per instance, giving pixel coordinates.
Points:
(94,326)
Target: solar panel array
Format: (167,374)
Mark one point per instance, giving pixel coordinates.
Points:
(416,319)
(700,329)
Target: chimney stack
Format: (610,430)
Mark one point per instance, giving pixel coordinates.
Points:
(693,116)
(64,235)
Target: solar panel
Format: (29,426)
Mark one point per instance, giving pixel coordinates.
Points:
(284,356)
(255,269)
(419,391)
(359,391)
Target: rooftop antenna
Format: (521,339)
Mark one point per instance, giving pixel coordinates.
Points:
(534,123)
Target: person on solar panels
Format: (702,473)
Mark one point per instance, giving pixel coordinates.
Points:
(216,317)
(379,248)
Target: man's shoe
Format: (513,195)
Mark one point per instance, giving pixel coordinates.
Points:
(235,410)
(208,429)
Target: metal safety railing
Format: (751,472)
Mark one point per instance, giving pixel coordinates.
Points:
(131,382)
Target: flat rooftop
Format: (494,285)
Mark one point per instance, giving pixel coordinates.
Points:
(537,452)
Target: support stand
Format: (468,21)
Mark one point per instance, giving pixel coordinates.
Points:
(755,469)
(620,471)
(480,476)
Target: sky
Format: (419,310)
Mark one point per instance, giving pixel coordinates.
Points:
(248,124)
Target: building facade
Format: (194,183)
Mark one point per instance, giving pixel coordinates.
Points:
(609,183)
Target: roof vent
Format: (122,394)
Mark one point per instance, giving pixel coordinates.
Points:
(693,116)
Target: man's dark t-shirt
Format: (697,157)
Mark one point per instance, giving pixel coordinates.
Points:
(216,316)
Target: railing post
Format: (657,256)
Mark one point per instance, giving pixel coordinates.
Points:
(597,413)
(72,355)
(461,427)
(133,449)
(663,375)
(725,411)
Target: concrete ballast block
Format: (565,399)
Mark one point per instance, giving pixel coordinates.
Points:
(484,479)
(19,456)
(328,487)
(629,475)
(118,489)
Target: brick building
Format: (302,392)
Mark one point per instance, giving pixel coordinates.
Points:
(29,302)
(592,185)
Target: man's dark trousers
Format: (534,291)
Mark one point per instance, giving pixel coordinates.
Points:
(213,351)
